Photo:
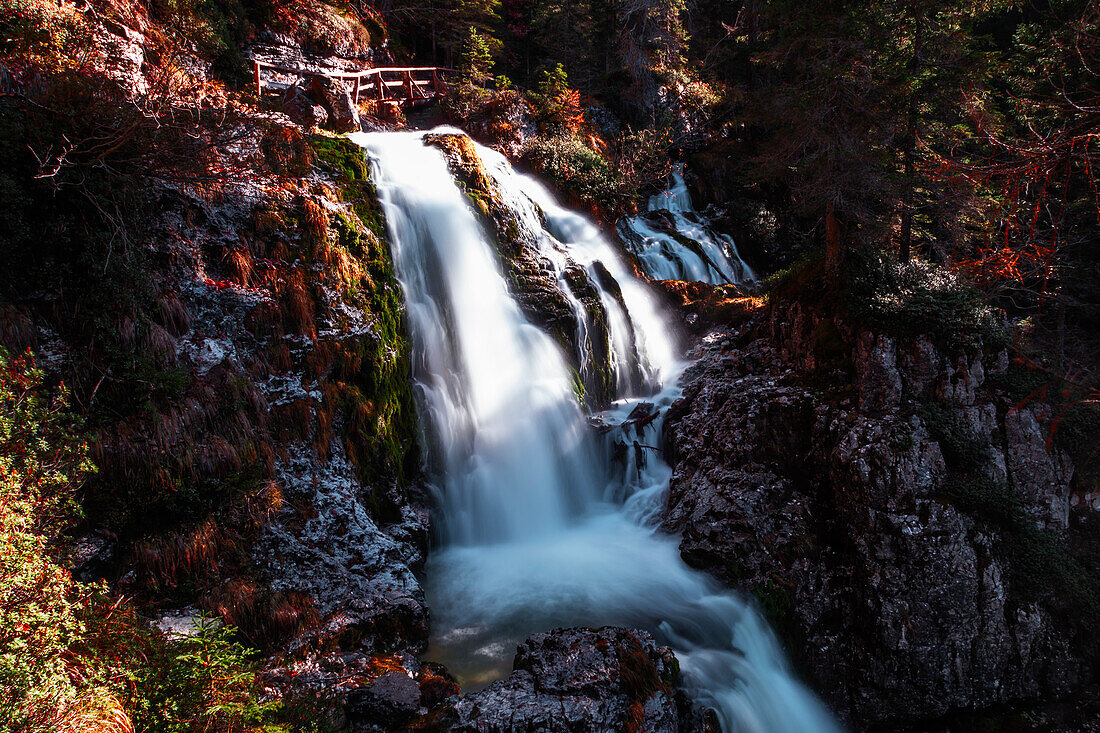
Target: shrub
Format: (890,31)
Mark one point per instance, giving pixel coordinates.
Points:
(579,170)
(920,298)
(42,462)
(557,106)
(903,299)
(203,682)
(45,35)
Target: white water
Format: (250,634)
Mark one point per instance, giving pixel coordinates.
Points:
(663,256)
(543,526)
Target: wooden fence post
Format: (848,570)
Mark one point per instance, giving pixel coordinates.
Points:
(256,77)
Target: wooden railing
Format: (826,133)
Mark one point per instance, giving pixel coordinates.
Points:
(414,82)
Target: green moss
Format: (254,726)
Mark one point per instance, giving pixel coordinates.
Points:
(342,158)
(578,389)
(382,427)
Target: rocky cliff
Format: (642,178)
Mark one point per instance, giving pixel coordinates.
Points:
(899,514)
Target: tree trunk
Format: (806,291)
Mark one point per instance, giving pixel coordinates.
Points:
(905,246)
(834,242)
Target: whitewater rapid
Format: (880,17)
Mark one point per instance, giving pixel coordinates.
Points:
(544,522)
(672,241)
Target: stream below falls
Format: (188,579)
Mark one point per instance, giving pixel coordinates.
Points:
(544,520)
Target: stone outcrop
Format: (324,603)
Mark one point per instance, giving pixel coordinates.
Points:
(301,108)
(577,680)
(333,96)
(532,278)
(832,483)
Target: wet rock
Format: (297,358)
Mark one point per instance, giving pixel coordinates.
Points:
(533,280)
(343,116)
(360,575)
(389,702)
(577,680)
(301,109)
(436,684)
(93,555)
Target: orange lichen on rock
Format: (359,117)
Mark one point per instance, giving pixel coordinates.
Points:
(711,303)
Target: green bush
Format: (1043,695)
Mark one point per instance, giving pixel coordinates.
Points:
(579,170)
(920,297)
(903,299)
(206,681)
(42,462)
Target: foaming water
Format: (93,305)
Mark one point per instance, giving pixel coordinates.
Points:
(547,521)
(674,242)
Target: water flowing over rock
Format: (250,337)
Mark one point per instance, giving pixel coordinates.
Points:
(673,242)
(546,522)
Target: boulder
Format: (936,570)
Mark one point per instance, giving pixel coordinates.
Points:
(577,679)
(830,507)
(388,702)
(300,108)
(343,116)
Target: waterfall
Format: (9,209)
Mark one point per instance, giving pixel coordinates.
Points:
(547,520)
(674,242)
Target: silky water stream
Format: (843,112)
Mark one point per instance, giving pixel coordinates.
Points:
(542,521)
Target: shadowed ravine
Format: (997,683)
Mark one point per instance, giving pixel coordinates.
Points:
(543,523)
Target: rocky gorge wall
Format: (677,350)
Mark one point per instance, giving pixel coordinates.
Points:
(898,514)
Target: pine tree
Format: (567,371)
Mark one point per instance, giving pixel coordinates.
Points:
(477,61)
(563,30)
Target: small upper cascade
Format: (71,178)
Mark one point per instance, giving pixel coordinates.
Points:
(672,241)
(676,198)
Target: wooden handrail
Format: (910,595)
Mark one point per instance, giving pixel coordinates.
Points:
(413,87)
(349,74)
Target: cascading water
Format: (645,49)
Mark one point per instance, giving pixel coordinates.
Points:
(673,242)
(547,521)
